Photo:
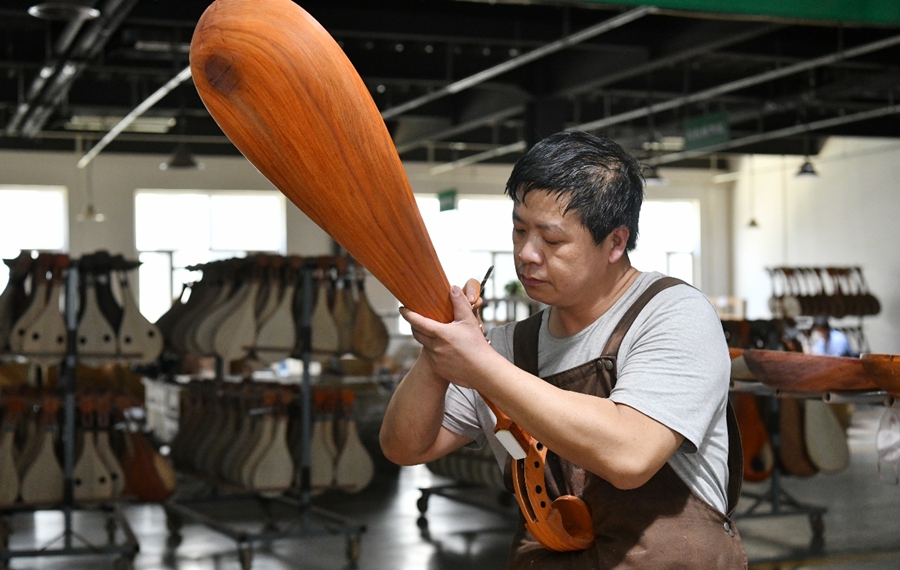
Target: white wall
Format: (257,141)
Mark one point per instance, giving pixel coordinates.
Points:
(117,176)
(846,217)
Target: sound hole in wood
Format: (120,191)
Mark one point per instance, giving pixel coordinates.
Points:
(538,489)
(127,339)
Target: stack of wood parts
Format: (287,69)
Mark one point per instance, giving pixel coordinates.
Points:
(249,309)
(248,435)
(110,326)
(112,457)
(808,291)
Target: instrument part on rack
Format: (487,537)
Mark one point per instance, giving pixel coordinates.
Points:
(263,436)
(9,475)
(274,471)
(42,480)
(792,452)
(342,311)
(824,436)
(322,452)
(148,475)
(759,458)
(91,479)
(288,98)
(14,298)
(230,292)
(36,301)
(354,468)
(97,344)
(137,336)
(278,333)
(236,332)
(44,339)
(370,337)
(325,335)
(104,449)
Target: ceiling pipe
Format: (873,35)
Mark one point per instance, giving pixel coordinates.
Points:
(741,84)
(737,85)
(519,61)
(181,77)
(606,80)
(480,157)
(668,61)
(776,134)
(56,78)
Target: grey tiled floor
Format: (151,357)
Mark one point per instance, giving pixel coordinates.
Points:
(862,527)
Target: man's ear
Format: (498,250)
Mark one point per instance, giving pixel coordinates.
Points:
(619,237)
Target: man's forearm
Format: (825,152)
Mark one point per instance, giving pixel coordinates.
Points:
(413,417)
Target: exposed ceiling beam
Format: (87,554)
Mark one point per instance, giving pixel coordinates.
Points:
(509,65)
(737,85)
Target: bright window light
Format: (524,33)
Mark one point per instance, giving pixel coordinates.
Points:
(40,221)
(176,230)
(668,238)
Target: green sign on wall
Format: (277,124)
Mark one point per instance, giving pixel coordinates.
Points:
(447,199)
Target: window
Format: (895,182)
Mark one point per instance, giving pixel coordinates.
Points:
(174,230)
(40,221)
(668,238)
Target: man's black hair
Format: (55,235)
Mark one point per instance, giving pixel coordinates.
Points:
(601,180)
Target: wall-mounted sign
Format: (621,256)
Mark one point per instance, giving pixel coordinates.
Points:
(706,130)
(447,199)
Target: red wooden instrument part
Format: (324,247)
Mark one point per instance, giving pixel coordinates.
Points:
(286,95)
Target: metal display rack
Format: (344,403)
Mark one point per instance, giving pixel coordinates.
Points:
(69,542)
(303,519)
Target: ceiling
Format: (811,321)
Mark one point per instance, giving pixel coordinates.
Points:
(460,82)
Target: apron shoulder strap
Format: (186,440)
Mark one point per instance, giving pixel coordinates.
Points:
(525,343)
(615,339)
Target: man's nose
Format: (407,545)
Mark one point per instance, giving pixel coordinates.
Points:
(530,253)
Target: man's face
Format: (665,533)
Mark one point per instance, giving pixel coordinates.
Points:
(556,258)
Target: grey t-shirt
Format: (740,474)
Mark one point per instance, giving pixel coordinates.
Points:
(673,366)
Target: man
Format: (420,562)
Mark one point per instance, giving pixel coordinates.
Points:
(637,423)
(828,341)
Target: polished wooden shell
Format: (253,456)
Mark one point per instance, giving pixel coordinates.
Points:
(286,95)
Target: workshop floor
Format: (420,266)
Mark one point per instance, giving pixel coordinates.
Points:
(861,527)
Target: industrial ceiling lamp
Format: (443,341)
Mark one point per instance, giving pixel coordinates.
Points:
(181,158)
(753,223)
(807,170)
(89,213)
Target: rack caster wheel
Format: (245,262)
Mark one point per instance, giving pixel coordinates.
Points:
(353,549)
(111,530)
(245,555)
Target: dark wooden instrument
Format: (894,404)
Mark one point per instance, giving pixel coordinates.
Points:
(799,372)
(286,95)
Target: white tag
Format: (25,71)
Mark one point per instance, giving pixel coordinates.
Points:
(510,443)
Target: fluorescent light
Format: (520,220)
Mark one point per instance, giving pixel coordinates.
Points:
(158,125)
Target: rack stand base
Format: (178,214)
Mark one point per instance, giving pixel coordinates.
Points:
(298,520)
(69,543)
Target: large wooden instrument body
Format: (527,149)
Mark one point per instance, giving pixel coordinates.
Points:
(285,94)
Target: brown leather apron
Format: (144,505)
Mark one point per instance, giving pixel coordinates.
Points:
(660,525)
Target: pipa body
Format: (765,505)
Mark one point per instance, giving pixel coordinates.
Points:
(286,95)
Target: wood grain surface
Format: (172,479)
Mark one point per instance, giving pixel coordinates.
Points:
(286,95)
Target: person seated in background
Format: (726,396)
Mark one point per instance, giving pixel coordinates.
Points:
(827,340)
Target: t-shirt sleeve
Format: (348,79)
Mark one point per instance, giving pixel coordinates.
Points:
(460,415)
(674,365)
